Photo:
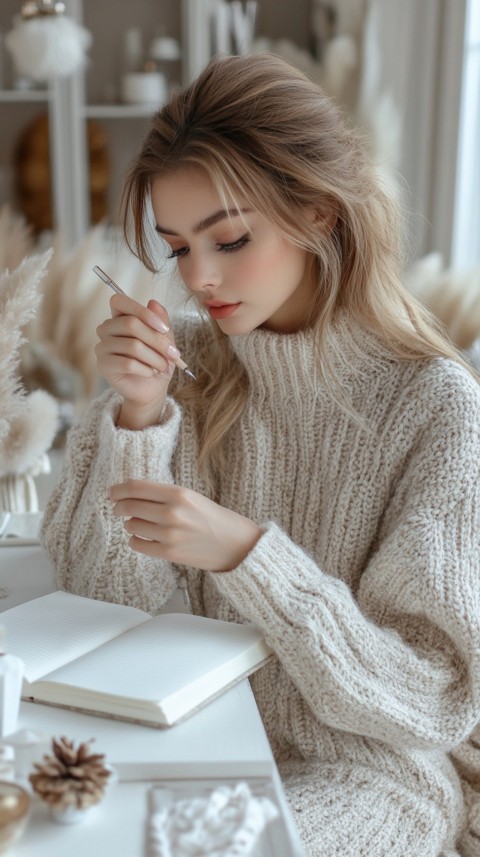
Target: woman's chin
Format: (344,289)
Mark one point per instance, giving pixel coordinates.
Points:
(236,326)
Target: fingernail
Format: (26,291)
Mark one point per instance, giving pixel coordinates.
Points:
(173,352)
(157,323)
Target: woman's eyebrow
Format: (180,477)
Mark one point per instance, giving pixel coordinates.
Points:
(209,221)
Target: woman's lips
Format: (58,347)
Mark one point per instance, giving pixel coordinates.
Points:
(219,310)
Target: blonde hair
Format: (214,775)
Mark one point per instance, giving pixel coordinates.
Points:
(264,132)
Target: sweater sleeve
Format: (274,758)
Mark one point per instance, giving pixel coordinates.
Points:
(398,659)
(86,543)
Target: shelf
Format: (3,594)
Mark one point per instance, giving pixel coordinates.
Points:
(75,102)
(23,96)
(119,111)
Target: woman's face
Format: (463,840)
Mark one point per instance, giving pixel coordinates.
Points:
(238,266)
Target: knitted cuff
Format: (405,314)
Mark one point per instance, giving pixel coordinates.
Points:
(277,577)
(142,454)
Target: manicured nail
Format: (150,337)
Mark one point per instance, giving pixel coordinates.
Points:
(157,323)
(173,352)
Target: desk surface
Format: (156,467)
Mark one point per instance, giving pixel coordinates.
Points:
(25,573)
(226,738)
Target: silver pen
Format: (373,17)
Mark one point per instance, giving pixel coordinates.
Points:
(116,288)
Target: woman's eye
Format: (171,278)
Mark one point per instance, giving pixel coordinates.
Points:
(231,247)
(235,245)
(175,254)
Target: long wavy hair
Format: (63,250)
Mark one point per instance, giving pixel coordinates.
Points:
(264,132)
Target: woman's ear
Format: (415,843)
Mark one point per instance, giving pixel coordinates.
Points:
(324,219)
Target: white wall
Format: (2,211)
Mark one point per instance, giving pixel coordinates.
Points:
(422,52)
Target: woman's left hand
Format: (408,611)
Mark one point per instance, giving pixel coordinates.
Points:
(182,526)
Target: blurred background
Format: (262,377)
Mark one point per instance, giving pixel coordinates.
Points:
(409,71)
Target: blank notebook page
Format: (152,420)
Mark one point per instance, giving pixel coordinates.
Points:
(156,659)
(52,630)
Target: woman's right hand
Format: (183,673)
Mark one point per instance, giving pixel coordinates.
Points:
(132,356)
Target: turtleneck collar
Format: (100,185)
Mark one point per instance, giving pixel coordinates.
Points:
(287,362)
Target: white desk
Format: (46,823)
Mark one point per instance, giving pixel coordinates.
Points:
(227,736)
(25,573)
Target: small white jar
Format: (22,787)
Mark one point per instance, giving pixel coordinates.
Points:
(11,680)
(144,87)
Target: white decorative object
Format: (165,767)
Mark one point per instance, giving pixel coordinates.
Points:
(11,678)
(226,823)
(68,814)
(20,528)
(29,747)
(243,24)
(164,48)
(215,26)
(133,49)
(222,37)
(7,763)
(45,44)
(144,87)
(18,492)
(165,54)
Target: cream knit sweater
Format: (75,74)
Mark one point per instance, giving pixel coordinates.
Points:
(366,581)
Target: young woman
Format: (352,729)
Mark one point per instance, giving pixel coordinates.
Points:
(319,478)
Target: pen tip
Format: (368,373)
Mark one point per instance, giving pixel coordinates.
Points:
(190,374)
(98,271)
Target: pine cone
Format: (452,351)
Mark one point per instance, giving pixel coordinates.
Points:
(71,777)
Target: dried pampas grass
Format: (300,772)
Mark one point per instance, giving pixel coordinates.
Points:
(75,302)
(452,296)
(61,333)
(31,433)
(19,299)
(27,422)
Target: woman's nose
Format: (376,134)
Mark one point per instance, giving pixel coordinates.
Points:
(199,273)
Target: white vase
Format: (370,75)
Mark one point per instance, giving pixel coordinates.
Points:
(18,493)
(69,814)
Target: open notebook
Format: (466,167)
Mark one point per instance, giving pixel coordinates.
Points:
(118,661)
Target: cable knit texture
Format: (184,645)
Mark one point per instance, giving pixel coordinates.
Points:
(365,581)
